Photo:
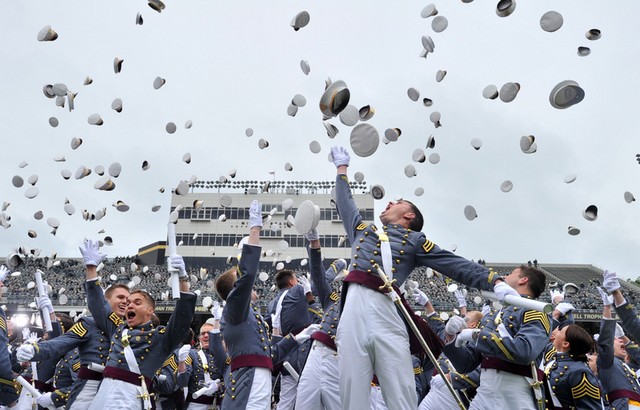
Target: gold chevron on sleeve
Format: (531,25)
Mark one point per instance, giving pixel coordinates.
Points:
(585,388)
(78,329)
(427,245)
(533,315)
(3,324)
(549,355)
(76,366)
(334,296)
(115,319)
(171,361)
(189,360)
(417,370)
(361,227)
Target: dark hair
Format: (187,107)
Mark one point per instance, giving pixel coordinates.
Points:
(188,340)
(580,342)
(283,277)
(537,280)
(417,222)
(112,288)
(146,297)
(66,322)
(155,320)
(224,283)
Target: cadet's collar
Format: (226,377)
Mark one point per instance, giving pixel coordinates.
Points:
(563,356)
(144,327)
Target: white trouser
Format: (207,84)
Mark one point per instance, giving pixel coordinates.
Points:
(502,390)
(318,388)
(376,401)
(85,396)
(288,391)
(116,394)
(439,396)
(199,406)
(372,336)
(260,395)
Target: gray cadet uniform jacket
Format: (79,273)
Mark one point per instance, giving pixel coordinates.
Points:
(65,376)
(573,383)
(328,298)
(151,345)
(408,248)
(8,392)
(92,343)
(246,334)
(618,380)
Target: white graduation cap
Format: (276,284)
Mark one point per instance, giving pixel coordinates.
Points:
(419,191)
(117,64)
(364,140)
(470,212)
(47,34)
(506,186)
(17,181)
(591,213)
(440,75)
(565,94)
(551,21)
(349,116)
(32,192)
(171,127)
(75,143)
(53,121)
(366,112)
(300,20)
(439,24)
(573,231)
(584,51)
(95,119)
(505,7)
(377,192)
(334,99)
(593,34)
(158,82)
(413,94)
(304,66)
(490,92)
(307,217)
(428,11)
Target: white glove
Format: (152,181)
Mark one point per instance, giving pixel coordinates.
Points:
(212,388)
(610,281)
(502,289)
(25,334)
(44,303)
(486,309)
(306,333)
(312,235)
(596,336)
(455,325)
(564,307)
(420,297)
(607,300)
(45,400)
(619,331)
(176,262)
(467,335)
(90,251)
(461,295)
(25,352)
(340,156)
(183,353)
(216,311)
(557,296)
(305,284)
(3,273)
(255,214)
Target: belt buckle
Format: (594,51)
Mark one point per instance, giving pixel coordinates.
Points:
(125,341)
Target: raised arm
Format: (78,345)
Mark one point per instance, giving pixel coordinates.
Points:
(239,299)
(180,320)
(347,209)
(98,306)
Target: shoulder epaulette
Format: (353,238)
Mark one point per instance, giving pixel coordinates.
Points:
(162,330)
(533,315)
(334,296)
(362,226)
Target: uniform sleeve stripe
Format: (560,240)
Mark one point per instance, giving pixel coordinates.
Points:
(534,315)
(3,324)
(428,245)
(76,366)
(585,388)
(78,329)
(115,319)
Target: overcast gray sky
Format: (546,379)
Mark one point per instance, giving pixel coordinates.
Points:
(233,65)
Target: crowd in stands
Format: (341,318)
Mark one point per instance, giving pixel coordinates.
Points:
(66,276)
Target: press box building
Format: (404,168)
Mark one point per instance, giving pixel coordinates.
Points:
(208,235)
